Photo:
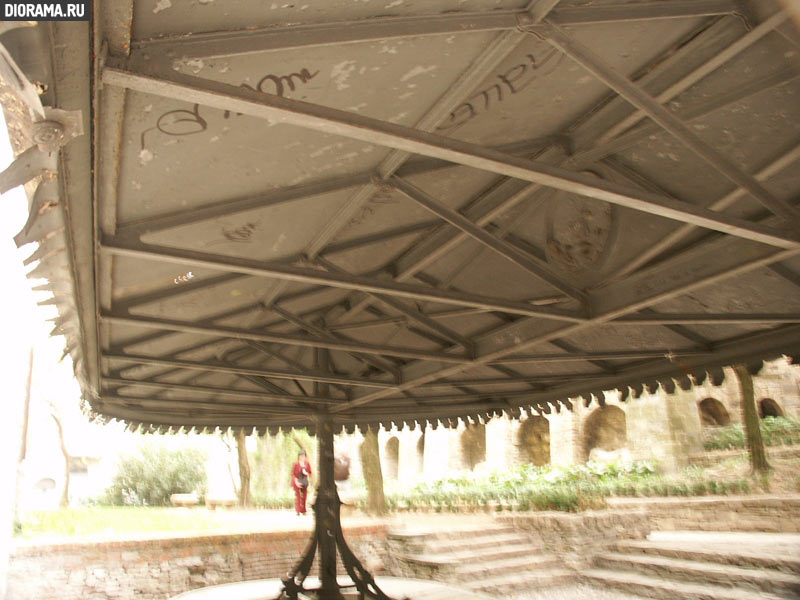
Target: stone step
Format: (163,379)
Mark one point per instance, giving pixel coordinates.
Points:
(656,587)
(472,533)
(501,552)
(725,575)
(470,556)
(740,558)
(478,542)
(521,582)
(488,569)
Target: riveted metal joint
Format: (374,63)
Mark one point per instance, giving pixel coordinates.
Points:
(48,135)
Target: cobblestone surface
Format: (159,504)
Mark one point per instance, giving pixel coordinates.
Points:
(574,592)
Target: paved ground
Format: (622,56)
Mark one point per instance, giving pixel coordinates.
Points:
(398,588)
(574,592)
(395,587)
(766,545)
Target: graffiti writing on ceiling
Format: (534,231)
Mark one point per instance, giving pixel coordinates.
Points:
(512,81)
(182,122)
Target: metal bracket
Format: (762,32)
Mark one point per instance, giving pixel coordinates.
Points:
(57,128)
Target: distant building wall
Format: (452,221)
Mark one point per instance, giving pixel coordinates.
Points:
(660,426)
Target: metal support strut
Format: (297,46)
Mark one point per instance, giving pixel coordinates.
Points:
(328,538)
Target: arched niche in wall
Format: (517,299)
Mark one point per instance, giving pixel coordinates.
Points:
(473,445)
(767,407)
(392,457)
(533,440)
(605,428)
(713,413)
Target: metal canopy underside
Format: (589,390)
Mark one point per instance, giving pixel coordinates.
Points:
(472,207)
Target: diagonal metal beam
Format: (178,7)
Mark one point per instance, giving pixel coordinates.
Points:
(181,218)
(248,41)
(708,67)
(287,339)
(539,9)
(227,367)
(740,349)
(423,253)
(786,273)
(705,265)
(322,334)
(504,381)
(433,247)
(480,68)
(259,381)
(200,420)
(567,347)
(641,11)
(337,122)
(128,302)
(299,367)
(684,332)
(590,356)
(488,206)
(219,391)
(132,301)
(443,314)
(654,318)
(192,404)
(671,239)
(634,94)
(164,221)
(742,91)
(411,313)
(482,236)
(353,282)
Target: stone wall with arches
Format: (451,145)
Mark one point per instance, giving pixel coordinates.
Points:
(660,426)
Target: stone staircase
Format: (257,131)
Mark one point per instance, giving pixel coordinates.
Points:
(486,558)
(730,569)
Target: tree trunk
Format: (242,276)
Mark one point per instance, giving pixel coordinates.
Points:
(65,495)
(23,451)
(371,465)
(244,469)
(755,444)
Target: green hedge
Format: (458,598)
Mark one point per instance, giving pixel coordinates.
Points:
(568,489)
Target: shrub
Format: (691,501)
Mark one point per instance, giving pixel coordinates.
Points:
(775,431)
(276,500)
(150,477)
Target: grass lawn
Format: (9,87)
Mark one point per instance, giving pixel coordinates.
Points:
(106,522)
(114,522)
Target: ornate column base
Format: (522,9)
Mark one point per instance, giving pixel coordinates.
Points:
(328,539)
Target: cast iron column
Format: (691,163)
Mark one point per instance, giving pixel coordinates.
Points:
(326,512)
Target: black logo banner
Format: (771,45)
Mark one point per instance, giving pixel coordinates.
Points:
(38,10)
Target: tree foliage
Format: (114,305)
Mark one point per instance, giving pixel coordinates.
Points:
(272,465)
(151,476)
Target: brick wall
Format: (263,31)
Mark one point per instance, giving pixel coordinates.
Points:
(777,514)
(161,568)
(576,538)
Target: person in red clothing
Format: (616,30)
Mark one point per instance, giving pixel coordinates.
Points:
(301,471)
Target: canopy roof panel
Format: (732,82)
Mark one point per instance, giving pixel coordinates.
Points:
(399,212)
